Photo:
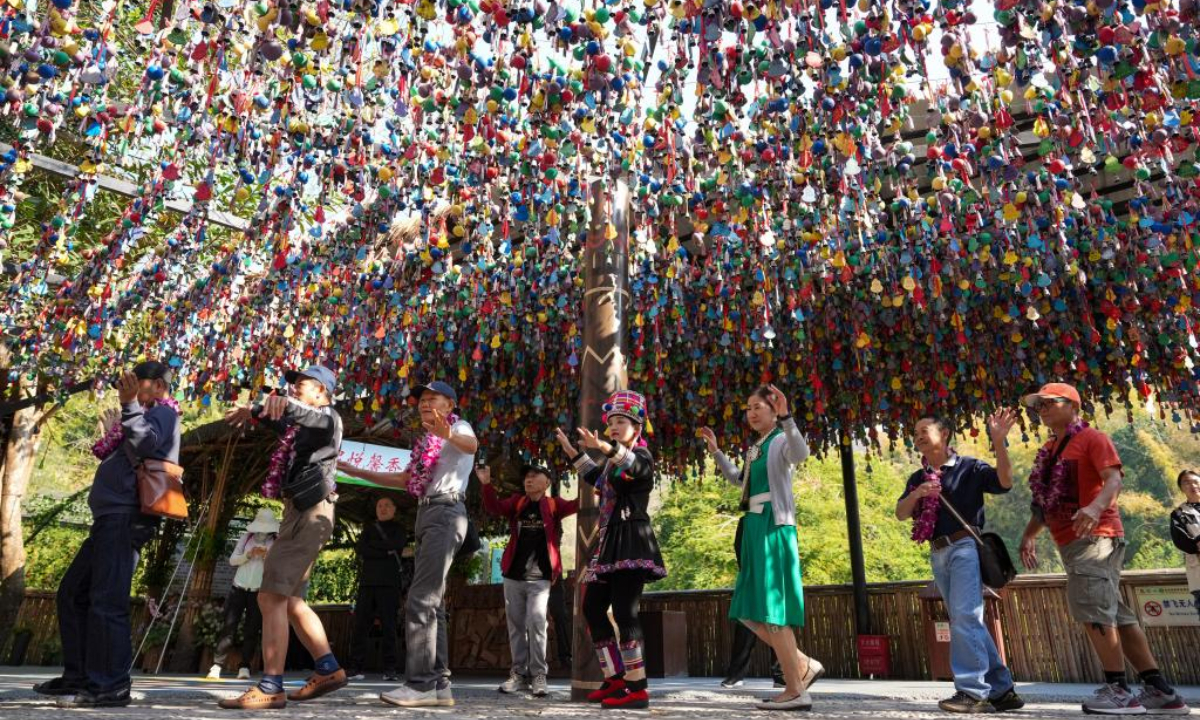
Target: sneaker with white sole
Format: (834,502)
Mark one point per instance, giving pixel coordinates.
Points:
(1158,702)
(214,673)
(1112,699)
(445,698)
(404,696)
(538,687)
(243,673)
(515,683)
(731,683)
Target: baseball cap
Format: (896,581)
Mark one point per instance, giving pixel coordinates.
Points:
(320,373)
(153,370)
(438,387)
(538,468)
(1050,391)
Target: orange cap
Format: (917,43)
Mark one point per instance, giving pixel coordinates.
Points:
(1053,390)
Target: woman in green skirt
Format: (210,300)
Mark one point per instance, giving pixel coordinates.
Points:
(769,595)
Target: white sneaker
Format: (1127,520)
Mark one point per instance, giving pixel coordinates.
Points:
(1113,700)
(404,696)
(539,687)
(445,698)
(214,673)
(515,683)
(243,673)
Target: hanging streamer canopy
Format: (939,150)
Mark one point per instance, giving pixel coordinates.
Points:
(888,208)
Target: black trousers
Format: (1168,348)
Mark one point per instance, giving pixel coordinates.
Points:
(375,602)
(241,603)
(563,628)
(93,603)
(622,591)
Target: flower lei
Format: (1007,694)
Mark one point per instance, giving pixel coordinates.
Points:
(425,457)
(281,460)
(925,516)
(112,439)
(1048,488)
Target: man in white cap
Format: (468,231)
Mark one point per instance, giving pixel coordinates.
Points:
(312,433)
(242,602)
(437,476)
(1075,482)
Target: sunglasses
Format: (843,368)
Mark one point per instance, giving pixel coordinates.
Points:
(1048,403)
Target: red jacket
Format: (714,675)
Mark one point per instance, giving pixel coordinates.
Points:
(553,512)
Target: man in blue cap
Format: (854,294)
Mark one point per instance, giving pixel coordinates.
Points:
(312,436)
(437,476)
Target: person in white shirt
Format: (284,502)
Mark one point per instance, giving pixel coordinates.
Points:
(247,557)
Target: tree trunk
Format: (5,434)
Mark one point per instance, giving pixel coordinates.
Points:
(20,451)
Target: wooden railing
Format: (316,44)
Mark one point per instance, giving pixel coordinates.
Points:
(1041,641)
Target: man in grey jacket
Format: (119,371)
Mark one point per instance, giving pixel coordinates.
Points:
(93,597)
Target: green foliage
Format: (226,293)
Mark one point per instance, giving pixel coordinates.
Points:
(334,577)
(47,560)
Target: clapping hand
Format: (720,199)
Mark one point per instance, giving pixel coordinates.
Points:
(108,419)
(710,439)
(274,407)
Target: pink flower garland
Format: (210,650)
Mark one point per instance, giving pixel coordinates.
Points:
(1048,492)
(425,458)
(925,517)
(112,439)
(281,460)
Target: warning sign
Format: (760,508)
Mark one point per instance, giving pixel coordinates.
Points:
(943,631)
(1167,606)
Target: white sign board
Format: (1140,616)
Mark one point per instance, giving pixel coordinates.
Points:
(942,631)
(1167,606)
(377,458)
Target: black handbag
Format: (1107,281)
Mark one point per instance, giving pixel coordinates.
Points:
(996,567)
(307,488)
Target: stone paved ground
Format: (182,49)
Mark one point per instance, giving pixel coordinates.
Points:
(175,698)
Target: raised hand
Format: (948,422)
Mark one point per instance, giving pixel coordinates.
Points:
(779,401)
(440,426)
(710,439)
(127,387)
(1000,423)
(109,418)
(565,442)
(238,416)
(274,407)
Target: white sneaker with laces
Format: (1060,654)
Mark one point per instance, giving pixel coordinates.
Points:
(214,673)
(243,673)
(404,696)
(539,687)
(1113,699)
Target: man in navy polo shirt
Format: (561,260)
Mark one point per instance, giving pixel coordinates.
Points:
(982,682)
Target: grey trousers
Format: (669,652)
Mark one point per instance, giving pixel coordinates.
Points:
(440,530)
(525,603)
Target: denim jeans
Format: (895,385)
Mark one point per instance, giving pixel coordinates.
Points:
(93,603)
(974,659)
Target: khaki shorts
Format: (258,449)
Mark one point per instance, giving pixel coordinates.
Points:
(1094,581)
(301,537)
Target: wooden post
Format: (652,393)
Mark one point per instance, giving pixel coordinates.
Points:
(606,276)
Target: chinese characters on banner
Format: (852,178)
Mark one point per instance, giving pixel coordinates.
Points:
(1170,605)
(376,458)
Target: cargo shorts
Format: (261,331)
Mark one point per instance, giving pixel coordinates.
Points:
(1093,566)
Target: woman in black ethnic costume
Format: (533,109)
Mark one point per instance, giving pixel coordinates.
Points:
(626,555)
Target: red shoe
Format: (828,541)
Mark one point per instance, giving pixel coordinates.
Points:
(628,700)
(608,689)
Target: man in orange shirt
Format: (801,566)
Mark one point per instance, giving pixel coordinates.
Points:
(1075,482)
